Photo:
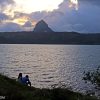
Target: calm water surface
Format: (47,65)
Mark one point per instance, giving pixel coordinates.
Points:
(50,64)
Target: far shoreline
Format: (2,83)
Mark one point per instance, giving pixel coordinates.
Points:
(54,38)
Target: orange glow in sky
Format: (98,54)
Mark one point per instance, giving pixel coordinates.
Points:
(21,20)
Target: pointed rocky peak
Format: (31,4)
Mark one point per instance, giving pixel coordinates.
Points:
(42,22)
(42,26)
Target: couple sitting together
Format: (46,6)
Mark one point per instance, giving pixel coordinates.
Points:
(24,80)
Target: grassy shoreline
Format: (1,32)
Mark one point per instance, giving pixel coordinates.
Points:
(13,90)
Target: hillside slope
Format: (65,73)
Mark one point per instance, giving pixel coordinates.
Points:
(12,90)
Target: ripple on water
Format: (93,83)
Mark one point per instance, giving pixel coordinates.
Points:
(48,65)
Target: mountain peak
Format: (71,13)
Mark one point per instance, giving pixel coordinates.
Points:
(42,21)
(42,26)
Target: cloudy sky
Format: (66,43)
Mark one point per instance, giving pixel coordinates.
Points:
(61,15)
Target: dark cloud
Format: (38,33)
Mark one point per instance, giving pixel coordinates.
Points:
(10,27)
(45,15)
(19,14)
(38,15)
(3,17)
(5,3)
(91,1)
(27,24)
(86,19)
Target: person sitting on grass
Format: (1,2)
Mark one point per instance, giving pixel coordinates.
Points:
(20,77)
(26,81)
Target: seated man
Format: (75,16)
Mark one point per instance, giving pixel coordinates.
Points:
(26,81)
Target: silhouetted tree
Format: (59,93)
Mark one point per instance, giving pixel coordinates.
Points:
(94,78)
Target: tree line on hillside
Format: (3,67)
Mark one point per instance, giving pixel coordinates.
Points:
(48,38)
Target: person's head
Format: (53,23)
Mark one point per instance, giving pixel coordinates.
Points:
(27,76)
(20,75)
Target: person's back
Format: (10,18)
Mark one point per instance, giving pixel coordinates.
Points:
(26,81)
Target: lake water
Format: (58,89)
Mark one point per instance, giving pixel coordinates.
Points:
(48,65)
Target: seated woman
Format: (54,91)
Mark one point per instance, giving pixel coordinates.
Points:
(20,77)
(26,81)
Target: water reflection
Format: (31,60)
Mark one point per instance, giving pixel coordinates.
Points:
(50,64)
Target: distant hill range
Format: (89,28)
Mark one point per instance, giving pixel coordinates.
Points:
(42,34)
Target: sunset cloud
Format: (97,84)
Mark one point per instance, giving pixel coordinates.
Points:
(6,5)
(85,19)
